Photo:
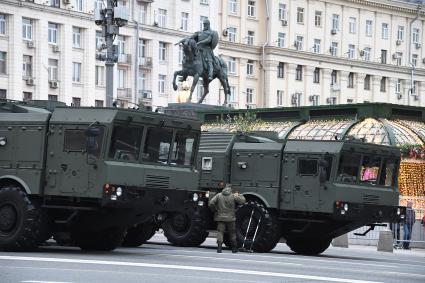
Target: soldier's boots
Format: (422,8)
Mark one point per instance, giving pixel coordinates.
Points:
(219,248)
(234,250)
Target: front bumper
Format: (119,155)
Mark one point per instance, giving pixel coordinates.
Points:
(368,213)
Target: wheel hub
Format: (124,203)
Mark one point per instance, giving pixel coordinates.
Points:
(8,218)
(180,223)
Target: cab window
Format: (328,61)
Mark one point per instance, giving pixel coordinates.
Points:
(370,169)
(348,169)
(75,140)
(184,148)
(307,167)
(125,143)
(157,146)
(388,173)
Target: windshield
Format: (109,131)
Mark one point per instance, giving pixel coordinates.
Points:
(157,145)
(184,148)
(125,143)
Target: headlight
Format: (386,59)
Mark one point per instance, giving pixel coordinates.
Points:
(398,211)
(346,207)
(207,194)
(119,191)
(195,197)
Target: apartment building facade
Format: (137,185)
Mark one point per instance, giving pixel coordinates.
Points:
(48,50)
(321,52)
(279,52)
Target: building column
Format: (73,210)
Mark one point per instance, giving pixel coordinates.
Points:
(359,98)
(308,84)
(268,96)
(66,67)
(326,86)
(392,96)
(376,88)
(41,58)
(14,59)
(343,85)
(290,87)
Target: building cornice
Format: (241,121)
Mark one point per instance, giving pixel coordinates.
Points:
(52,10)
(159,30)
(239,47)
(409,8)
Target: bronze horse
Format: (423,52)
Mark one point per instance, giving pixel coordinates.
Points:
(193,65)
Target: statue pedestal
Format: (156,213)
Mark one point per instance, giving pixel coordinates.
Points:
(188,109)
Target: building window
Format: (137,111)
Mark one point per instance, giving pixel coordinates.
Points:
(250,68)
(300,15)
(143,14)
(2,24)
(231,65)
(351,51)
(316,46)
(281,39)
(251,8)
(27,95)
(279,98)
(78,5)
(121,45)
(334,77)
(53,70)
(383,56)
(232,34)
(400,33)
(184,20)
(98,4)
(249,95)
(352,25)
(98,103)
(53,97)
(100,76)
(26,29)
(334,48)
(53,33)
(231,95)
(399,58)
(121,78)
(335,22)
(201,22)
(76,72)
(318,18)
(250,38)
(299,42)
(367,82)
(162,18)
(366,55)
(181,54)
(280,70)
(3,63)
(350,80)
(415,35)
(415,87)
(162,51)
(314,100)
(383,84)
(384,31)
(99,39)
(282,11)
(3,94)
(142,48)
(299,73)
(368,28)
(232,6)
(76,102)
(76,37)
(316,75)
(398,86)
(27,66)
(415,59)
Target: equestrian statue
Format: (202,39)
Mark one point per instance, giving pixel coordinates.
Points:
(199,61)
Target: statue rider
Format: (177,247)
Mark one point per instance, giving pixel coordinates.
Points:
(206,41)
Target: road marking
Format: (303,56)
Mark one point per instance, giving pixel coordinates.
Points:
(34,281)
(189,267)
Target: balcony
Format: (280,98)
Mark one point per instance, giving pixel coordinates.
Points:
(145,97)
(145,1)
(124,93)
(124,59)
(145,62)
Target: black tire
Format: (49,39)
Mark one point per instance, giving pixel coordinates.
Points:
(101,240)
(23,224)
(138,235)
(308,246)
(186,229)
(268,234)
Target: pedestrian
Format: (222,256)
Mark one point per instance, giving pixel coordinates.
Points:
(408,225)
(395,227)
(223,205)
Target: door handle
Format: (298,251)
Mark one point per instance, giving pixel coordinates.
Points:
(297,187)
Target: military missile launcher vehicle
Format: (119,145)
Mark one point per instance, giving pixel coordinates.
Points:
(95,174)
(307,192)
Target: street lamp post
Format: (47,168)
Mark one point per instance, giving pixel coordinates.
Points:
(110,19)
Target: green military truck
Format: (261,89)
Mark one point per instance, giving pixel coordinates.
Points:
(99,175)
(307,192)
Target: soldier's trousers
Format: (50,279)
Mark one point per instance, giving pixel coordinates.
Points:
(231,231)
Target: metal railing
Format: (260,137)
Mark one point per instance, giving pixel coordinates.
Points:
(124,93)
(124,58)
(145,62)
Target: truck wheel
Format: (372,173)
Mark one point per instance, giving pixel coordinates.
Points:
(103,240)
(268,234)
(311,246)
(23,224)
(138,235)
(186,229)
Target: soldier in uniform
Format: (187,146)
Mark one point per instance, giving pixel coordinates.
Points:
(207,40)
(223,205)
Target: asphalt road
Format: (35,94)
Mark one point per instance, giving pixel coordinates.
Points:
(157,261)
